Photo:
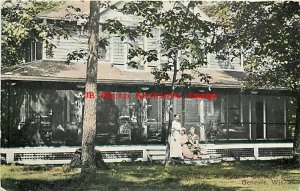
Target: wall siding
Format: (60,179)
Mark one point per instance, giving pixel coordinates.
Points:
(66,46)
(232,64)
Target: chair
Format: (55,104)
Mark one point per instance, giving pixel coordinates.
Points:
(124,128)
(46,129)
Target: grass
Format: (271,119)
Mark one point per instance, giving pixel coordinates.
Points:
(246,176)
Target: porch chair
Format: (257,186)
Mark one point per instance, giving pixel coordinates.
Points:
(46,129)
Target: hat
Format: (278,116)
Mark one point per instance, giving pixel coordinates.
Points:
(192,128)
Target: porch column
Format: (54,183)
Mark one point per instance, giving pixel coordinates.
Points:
(250,120)
(264,118)
(227,124)
(241,110)
(183,109)
(284,117)
(202,120)
(163,127)
(9,116)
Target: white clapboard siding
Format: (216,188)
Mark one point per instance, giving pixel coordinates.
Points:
(66,46)
(230,64)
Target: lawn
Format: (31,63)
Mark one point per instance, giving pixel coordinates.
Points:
(144,176)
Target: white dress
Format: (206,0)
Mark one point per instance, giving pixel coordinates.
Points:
(175,142)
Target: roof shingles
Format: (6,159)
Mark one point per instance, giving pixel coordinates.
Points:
(76,72)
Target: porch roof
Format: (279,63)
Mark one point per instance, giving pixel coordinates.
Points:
(75,72)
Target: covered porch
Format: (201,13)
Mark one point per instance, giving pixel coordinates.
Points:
(43,105)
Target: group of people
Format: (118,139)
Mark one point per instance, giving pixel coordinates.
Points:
(181,144)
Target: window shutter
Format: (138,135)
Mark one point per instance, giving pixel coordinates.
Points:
(153,44)
(118,51)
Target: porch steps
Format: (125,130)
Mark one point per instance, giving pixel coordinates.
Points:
(156,154)
(159,155)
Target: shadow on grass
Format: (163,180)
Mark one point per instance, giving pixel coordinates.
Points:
(142,176)
(108,181)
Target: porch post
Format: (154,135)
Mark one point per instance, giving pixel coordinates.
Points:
(227,124)
(183,109)
(284,117)
(250,120)
(163,128)
(9,116)
(264,118)
(241,110)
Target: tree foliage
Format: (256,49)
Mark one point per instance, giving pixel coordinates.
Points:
(269,35)
(182,32)
(185,39)
(21,26)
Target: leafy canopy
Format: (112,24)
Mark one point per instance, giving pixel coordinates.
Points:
(21,26)
(269,34)
(184,37)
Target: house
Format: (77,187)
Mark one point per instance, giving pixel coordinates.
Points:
(44,97)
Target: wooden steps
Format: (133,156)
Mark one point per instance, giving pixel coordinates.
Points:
(159,155)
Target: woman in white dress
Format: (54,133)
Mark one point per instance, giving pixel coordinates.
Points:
(175,139)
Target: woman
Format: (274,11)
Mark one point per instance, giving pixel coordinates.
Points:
(186,152)
(175,139)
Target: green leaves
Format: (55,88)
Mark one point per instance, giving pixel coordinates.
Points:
(269,33)
(20,25)
(181,32)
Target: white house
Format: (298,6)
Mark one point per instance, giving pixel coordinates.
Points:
(46,109)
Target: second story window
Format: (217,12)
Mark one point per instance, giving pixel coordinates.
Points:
(227,60)
(33,51)
(118,50)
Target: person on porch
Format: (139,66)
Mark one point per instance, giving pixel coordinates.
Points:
(186,152)
(193,139)
(175,139)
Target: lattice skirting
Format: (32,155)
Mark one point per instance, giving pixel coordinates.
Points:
(58,155)
(273,152)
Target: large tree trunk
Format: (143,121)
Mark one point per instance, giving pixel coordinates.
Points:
(89,117)
(297,131)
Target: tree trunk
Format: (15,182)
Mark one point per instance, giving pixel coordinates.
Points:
(170,109)
(89,117)
(297,132)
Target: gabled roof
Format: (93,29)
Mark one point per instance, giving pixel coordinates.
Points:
(54,71)
(61,11)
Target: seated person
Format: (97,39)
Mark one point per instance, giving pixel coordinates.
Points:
(186,152)
(194,142)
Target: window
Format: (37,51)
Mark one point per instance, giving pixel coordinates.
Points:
(231,121)
(33,51)
(139,43)
(104,53)
(275,119)
(225,60)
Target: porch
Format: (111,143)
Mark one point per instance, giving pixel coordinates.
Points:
(129,153)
